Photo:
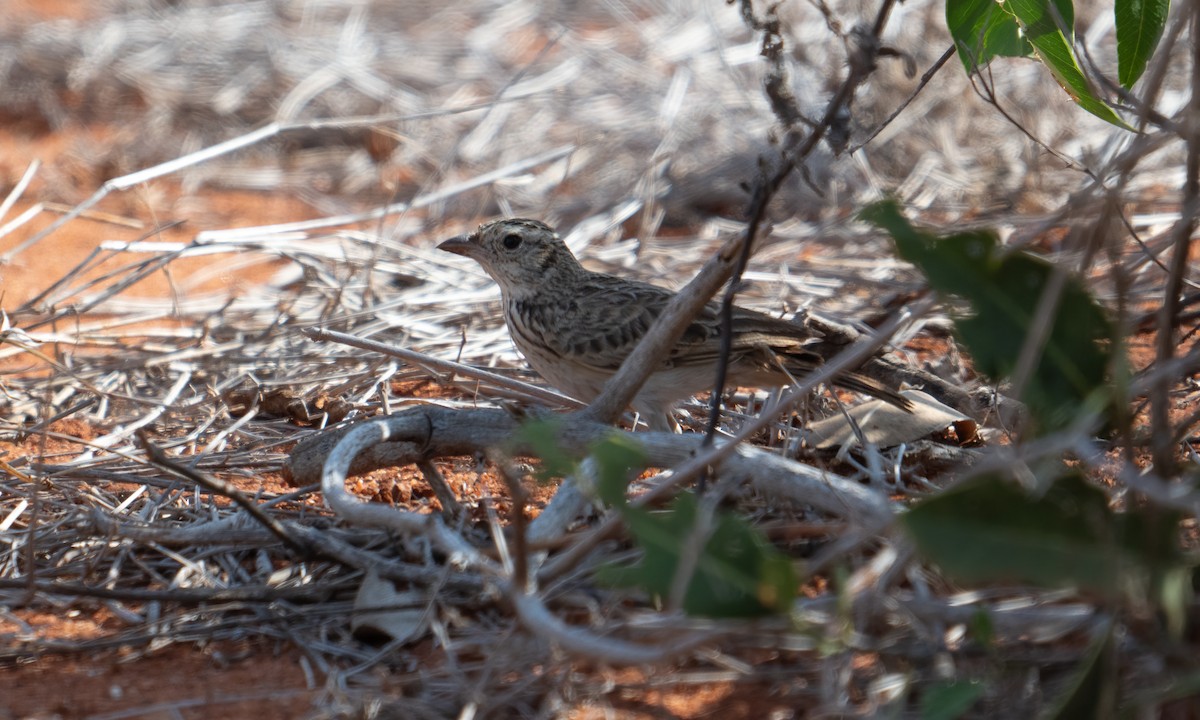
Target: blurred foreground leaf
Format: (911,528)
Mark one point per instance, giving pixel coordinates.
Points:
(950,700)
(617,456)
(1003,291)
(1092,693)
(991,530)
(541,436)
(737,572)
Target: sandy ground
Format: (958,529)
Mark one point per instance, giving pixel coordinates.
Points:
(248,679)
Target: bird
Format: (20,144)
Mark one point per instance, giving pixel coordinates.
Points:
(575,326)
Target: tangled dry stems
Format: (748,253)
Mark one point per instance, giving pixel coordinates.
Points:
(106,527)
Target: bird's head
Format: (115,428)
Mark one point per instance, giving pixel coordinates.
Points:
(521,255)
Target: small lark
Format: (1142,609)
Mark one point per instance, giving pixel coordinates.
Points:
(575,327)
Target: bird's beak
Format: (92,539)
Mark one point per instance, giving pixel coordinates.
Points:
(460,245)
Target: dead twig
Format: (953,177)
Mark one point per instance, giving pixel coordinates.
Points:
(159,459)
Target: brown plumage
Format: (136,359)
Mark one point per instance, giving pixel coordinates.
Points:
(575,326)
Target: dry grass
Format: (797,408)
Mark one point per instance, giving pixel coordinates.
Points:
(397,126)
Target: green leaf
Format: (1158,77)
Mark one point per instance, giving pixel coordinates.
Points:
(541,438)
(983,630)
(1147,700)
(1040,24)
(983,30)
(1140,25)
(737,574)
(1003,291)
(616,458)
(991,530)
(1092,693)
(949,700)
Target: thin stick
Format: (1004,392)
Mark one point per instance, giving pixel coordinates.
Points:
(159,459)
(778,91)
(445,366)
(1162,447)
(19,189)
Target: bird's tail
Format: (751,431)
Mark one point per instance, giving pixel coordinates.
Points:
(799,364)
(870,386)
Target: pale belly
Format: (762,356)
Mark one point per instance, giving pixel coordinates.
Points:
(660,393)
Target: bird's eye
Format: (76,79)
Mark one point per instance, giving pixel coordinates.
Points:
(511,241)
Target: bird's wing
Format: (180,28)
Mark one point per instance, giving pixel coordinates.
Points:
(755,336)
(604,319)
(608,316)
